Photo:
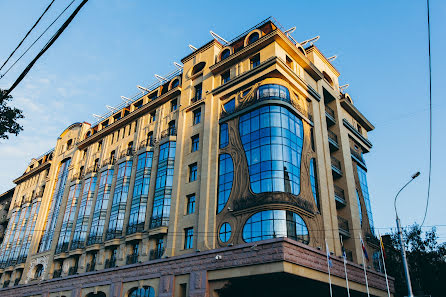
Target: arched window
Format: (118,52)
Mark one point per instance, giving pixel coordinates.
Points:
(328,78)
(142,292)
(253,37)
(313,180)
(226,53)
(69,143)
(175,83)
(275,223)
(197,68)
(98,294)
(39,271)
(272,138)
(225,177)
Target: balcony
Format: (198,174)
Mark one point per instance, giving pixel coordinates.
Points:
(356,156)
(135,228)
(21,259)
(57,273)
(110,263)
(336,167)
(333,141)
(339,197)
(330,115)
(146,143)
(94,239)
(112,234)
(168,132)
(109,161)
(77,245)
(158,221)
(128,152)
(92,169)
(132,259)
(343,227)
(62,248)
(156,254)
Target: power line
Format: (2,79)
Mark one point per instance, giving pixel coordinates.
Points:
(32,28)
(430,114)
(38,38)
(47,46)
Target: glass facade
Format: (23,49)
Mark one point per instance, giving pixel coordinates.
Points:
(313,181)
(163,185)
(273,92)
(140,193)
(275,223)
(8,239)
(80,231)
(50,226)
(359,206)
(272,138)
(20,233)
(225,177)
(29,230)
(68,218)
(362,175)
(225,232)
(142,292)
(117,213)
(224,137)
(100,207)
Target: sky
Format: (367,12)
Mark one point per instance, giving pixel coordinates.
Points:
(112,46)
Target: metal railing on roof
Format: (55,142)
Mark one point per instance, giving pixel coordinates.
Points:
(44,154)
(139,95)
(270,19)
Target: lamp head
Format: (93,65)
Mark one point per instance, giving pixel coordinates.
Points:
(416,175)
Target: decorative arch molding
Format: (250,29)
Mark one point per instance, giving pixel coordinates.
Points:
(33,265)
(247,38)
(172,82)
(223,50)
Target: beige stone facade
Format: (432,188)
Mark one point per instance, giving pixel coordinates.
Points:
(195,184)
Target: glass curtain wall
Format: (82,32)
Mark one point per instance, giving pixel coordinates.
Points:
(68,218)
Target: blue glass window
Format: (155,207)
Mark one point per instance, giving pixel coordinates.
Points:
(225,232)
(359,206)
(224,137)
(188,238)
(226,53)
(255,61)
(225,77)
(272,138)
(313,180)
(229,106)
(275,223)
(273,91)
(175,83)
(80,231)
(190,204)
(142,292)
(362,175)
(225,177)
(68,218)
(253,37)
(193,172)
(195,143)
(197,116)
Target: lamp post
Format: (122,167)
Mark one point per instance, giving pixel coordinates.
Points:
(400,235)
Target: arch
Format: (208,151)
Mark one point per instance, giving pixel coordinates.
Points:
(197,68)
(301,49)
(77,124)
(98,294)
(225,53)
(252,37)
(348,98)
(175,82)
(328,78)
(38,271)
(146,291)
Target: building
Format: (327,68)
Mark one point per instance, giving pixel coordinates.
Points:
(228,175)
(5,203)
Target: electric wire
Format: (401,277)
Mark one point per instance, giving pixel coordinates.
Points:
(430,115)
(32,28)
(38,38)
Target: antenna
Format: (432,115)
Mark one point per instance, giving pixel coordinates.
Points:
(216,36)
(311,40)
(179,66)
(290,30)
(343,87)
(98,117)
(193,48)
(160,78)
(142,88)
(111,108)
(126,100)
(332,58)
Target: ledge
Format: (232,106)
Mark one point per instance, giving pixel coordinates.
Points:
(357,134)
(32,172)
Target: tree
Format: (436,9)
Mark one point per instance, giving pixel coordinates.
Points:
(8,117)
(426,259)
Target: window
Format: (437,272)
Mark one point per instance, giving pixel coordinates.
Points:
(173,105)
(226,53)
(229,106)
(142,292)
(253,37)
(225,77)
(153,96)
(188,238)
(275,223)
(197,116)
(190,204)
(225,177)
(39,271)
(224,137)
(255,61)
(172,130)
(273,91)
(362,175)
(138,104)
(198,93)
(225,232)
(150,138)
(289,62)
(198,68)
(69,143)
(195,143)
(153,117)
(358,200)
(272,137)
(359,128)
(193,171)
(313,181)
(175,83)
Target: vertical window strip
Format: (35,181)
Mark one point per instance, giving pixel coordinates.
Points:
(30,230)
(100,209)
(362,175)
(50,226)
(119,202)
(359,206)
(225,178)
(8,241)
(68,218)
(163,185)
(140,193)
(313,181)
(80,231)
(23,221)
(224,136)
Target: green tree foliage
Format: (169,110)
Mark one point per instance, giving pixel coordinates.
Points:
(8,117)
(426,258)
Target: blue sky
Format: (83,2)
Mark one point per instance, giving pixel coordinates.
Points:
(114,45)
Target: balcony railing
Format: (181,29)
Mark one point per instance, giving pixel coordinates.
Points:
(110,263)
(62,248)
(168,132)
(94,240)
(77,244)
(132,259)
(158,221)
(339,195)
(21,259)
(330,113)
(145,143)
(156,254)
(358,157)
(108,161)
(135,228)
(125,153)
(332,136)
(336,167)
(343,226)
(57,273)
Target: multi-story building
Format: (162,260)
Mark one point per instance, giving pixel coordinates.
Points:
(229,177)
(5,203)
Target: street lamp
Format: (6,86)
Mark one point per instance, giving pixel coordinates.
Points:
(400,235)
